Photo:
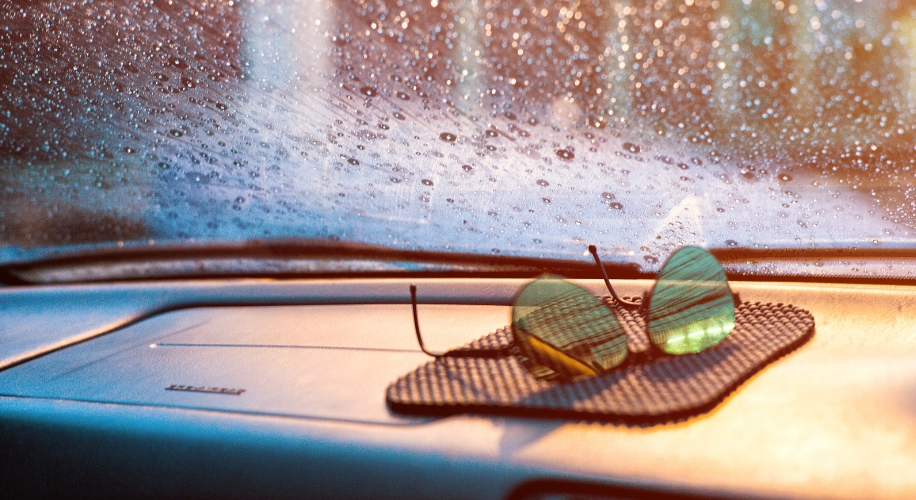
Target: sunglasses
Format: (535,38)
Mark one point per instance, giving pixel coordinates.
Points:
(561,330)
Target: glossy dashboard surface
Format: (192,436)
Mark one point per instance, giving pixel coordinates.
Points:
(84,405)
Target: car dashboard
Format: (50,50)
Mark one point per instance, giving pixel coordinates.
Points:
(251,388)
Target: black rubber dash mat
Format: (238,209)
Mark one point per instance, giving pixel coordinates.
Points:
(657,390)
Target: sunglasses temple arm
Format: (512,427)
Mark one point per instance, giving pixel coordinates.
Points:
(607,281)
(416,322)
(455,353)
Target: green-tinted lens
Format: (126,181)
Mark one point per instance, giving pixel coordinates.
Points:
(562,329)
(691,307)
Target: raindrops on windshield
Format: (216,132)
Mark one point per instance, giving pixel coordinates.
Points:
(565,154)
(534,128)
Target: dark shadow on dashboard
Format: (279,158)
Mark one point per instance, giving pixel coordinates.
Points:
(644,372)
(691,365)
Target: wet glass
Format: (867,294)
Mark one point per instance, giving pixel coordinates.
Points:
(497,128)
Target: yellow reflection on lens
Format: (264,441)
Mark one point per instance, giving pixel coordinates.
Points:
(561,329)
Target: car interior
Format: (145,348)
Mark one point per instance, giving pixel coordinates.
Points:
(527,250)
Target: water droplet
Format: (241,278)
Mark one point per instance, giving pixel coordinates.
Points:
(683,166)
(633,148)
(696,161)
(650,259)
(353,161)
(546,200)
(402,95)
(366,135)
(784,177)
(565,154)
(491,133)
(667,160)
(161,77)
(608,196)
(197,177)
(368,91)
(427,182)
(448,137)
(179,63)
(383,126)
(398,115)
(129,150)
(176,133)
(731,243)
(543,183)
(616,206)
(221,106)
(467,168)
(395,180)
(597,122)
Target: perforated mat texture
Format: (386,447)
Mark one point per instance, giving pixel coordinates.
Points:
(643,391)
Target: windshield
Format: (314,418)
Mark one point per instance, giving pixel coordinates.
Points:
(486,127)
